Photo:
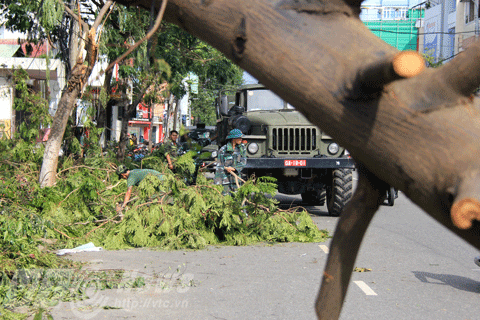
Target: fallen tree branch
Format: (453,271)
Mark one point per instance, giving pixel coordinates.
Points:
(68,195)
(155,201)
(346,242)
(81,166)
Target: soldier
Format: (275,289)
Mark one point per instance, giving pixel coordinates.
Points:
(232,158)
(171,149)
(134,177)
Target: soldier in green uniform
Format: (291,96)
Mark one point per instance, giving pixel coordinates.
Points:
(232,158)
(134,177)
(171,149)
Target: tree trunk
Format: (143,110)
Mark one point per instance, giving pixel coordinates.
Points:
(166,120)
(175,114)
(67,103)
(76,82)
(102,115)
(122,144)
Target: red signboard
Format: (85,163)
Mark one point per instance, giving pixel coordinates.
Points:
(295,163)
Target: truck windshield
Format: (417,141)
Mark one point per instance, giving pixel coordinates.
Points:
(262,99)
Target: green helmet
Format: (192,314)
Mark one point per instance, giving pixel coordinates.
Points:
(121,169)
(235,133)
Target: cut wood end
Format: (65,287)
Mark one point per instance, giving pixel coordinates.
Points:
(464,212)
(408,64)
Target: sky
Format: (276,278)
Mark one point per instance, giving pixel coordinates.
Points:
(248,78)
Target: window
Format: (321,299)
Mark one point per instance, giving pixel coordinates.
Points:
(452,6)
(262,99)
(394,13)
(469,11)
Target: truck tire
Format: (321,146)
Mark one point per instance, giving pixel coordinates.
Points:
(314,197)
(391,197)
(339,191)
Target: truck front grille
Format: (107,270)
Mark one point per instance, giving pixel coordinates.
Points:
(294,140)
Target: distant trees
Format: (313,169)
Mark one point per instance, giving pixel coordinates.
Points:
(104,28)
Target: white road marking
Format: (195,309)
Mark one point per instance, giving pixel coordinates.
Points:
(365,288)
(324,248)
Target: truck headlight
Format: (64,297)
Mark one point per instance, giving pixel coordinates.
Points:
(333,148)
(214,154)
(252,148)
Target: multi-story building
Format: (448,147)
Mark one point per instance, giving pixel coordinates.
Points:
(450,26)
(440,29)
(15,53)
(394,21)
(467,25)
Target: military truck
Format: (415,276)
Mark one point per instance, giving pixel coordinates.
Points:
(282,143)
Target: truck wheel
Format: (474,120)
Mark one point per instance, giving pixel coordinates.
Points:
(339,192)
(391,197)
(314,197)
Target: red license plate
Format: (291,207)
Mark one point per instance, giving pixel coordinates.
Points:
(295,163)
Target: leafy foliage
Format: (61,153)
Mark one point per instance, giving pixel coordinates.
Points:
(187,55)
(82,205)
(32,106)
(52,12)
(81,208)
(431,61)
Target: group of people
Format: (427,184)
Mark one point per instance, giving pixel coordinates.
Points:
(132,139)
(232,159)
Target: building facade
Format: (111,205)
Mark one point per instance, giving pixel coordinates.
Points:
(394,21)
(48,80)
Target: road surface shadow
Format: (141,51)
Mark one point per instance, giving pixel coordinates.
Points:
(289,201)
(457,282)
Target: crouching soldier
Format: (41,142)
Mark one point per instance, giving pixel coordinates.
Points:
(134,177)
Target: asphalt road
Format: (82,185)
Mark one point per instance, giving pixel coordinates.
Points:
(419,270)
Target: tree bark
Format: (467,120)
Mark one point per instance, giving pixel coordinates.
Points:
(102,116)
(348,237)
(68,101)
(175,114)
(122,144)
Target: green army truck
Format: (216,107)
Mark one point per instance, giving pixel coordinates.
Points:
(282,143)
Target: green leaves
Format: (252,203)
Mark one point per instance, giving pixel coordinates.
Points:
(167,214)
(52,12)
(32,107)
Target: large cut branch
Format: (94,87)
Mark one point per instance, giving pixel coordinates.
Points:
(346,242)
(419,134)
(417,131)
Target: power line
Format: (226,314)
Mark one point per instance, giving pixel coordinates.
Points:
(420,33)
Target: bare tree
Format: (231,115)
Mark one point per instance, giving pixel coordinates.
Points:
(413,128)
(80,72)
